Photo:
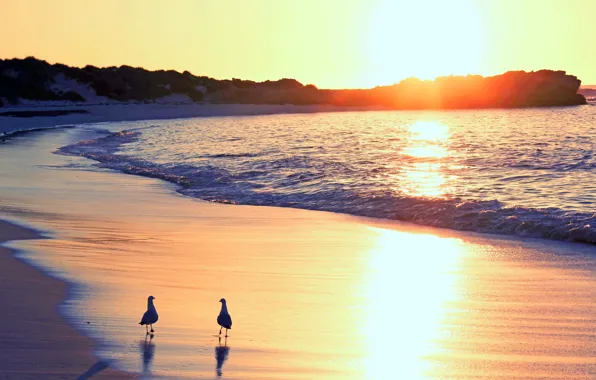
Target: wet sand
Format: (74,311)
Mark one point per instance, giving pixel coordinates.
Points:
(35,341)
(312,294)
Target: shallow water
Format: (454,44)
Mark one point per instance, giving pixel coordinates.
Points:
(528,172)
(312,295)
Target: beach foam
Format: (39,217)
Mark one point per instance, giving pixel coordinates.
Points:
(218,184)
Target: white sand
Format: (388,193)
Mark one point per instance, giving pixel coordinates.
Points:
(130,112)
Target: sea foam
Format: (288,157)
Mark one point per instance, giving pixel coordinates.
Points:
(216,184)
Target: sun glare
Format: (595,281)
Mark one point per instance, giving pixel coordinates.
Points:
(428,146)
(425,180)
(424,39)
(428,130)
(412,277)
(427,140)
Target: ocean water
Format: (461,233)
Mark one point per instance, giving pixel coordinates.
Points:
(524,172)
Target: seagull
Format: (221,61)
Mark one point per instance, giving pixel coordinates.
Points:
(224,319)
(150,316)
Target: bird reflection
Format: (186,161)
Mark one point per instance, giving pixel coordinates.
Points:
(147,353)
(221,355)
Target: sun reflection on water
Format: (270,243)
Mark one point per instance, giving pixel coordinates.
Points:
(425,179)
(411,278)
(429,131)
(427,150)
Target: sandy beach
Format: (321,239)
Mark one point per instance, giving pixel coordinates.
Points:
(35,341)
(312,294)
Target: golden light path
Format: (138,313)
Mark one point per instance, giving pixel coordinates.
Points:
(412,277)
(427,147)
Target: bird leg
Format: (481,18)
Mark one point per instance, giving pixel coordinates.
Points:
(220,330)
(226,333)
(147,329)
(152,328)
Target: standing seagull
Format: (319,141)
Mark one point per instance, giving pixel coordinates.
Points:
(150,316)
(224,319)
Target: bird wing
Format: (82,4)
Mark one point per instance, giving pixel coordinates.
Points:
(145,319)
(149,317)
(225,320)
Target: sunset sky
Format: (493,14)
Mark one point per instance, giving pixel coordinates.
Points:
(330,43)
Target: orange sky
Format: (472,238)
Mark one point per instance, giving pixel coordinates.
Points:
(330,43)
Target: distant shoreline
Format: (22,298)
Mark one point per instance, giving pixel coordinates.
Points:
(44,113)
(123,112)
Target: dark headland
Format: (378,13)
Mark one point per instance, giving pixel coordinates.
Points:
(37,80)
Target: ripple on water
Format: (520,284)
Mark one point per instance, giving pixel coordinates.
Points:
(522,172)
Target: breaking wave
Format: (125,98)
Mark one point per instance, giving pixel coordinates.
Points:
(312,191)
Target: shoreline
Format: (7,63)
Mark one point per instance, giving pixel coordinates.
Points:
(118,137)
(122,112)
(32,346)
(288,256)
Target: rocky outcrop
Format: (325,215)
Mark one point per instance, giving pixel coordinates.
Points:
(513,89)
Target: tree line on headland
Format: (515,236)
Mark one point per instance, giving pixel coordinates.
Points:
(35,79)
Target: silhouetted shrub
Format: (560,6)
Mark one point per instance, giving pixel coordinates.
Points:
(73,96)
(31,78)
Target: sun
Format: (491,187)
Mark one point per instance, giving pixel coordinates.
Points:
(423,39)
